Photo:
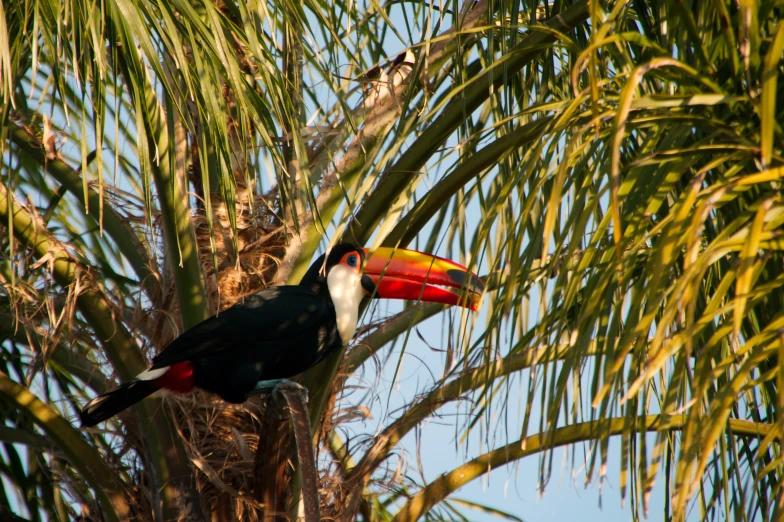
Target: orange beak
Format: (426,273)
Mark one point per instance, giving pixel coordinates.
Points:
(391,273)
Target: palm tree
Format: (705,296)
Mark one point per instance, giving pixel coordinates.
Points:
(612,168)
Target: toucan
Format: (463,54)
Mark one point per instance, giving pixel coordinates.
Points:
(282,331)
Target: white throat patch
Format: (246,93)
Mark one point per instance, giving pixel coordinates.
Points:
(345,289)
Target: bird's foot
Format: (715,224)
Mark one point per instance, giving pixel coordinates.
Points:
(278,385)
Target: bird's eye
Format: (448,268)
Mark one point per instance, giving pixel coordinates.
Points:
(352,261)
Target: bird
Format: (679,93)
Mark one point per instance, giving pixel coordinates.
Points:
(282,331)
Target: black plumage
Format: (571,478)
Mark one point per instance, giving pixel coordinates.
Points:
(273,334)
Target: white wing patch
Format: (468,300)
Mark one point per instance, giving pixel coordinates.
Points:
(151,375)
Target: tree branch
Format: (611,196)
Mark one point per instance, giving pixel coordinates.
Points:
(120,346)
(450,482)
(366,347)
(472,168)
(453,390)
(156,154)
(407,168)
(70,360)
(116,227)
(303,436)
(109,491)
(384,113)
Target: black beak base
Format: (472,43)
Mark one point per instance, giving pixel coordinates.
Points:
(368,285)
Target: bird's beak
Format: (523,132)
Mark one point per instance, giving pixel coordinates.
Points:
(395,273)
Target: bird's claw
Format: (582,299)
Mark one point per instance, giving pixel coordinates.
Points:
(279,385)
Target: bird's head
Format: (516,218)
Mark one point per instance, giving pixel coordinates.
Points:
(352,273)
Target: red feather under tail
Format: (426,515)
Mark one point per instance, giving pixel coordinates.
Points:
(179,378)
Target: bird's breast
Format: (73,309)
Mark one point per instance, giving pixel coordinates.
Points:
(346,320)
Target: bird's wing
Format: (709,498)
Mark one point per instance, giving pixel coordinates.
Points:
(271,315)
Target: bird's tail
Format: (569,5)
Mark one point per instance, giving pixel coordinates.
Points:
(111,403)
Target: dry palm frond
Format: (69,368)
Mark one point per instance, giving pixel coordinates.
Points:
(260,242)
